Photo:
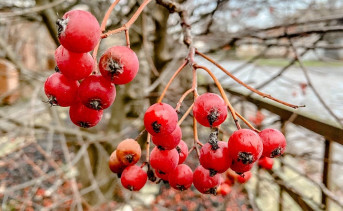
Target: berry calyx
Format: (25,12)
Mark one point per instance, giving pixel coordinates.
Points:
(182,149)
(218,160)
(115,165)
(119,64)
(245,147)
(75,66)
(78,31)
(60,90)
(210,110)
(129,152)
(205,183)
(133,178)
(243,178)
(168,141)
(181,178)
(164,161)
(162,175)
(160,119)
(96,92)
(84,117)
(274,142)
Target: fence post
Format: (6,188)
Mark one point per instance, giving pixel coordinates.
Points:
(327,171)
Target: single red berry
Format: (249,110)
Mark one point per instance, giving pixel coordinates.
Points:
(181,178)
(164,161)
(210,110)
(245,147)
(162,175)
(243,178)
(274,142)
(60,90)
(133,178)
(182,149)
(116,165)
(129,152)
(160,119)
(216,160)
(96,92)
(78,31)
(75,66)
(224,189)
(205,183)
(119,64)
(168,141)
(84,117)
(266,163)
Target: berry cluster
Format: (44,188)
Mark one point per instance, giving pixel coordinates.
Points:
(243,149)
(73,84)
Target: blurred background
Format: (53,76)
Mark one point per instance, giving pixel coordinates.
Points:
(291,49)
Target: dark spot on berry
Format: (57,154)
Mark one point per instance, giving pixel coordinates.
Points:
(178,149)
(212,117)
(61,25)
(212,172)
(245,157)
(213,140)
(161,172)
(57,70)
(156,127)
(129,158)
(212,191)
(151,175)
(276,152)
(130,187)
(160,148)
(180,187)
(95,104)
(52,101)
(114,67)
(83,124)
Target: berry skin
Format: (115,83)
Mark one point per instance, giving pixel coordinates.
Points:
(210,110)
(128,152)
(119,64)
(160,119)
(181,178)
(182,149)
(215,160)
(274,142)
(84,117)
(245,147)
(168,141)
(60,90)
(78,31)
(162,175)
(203,182)
(266,163)
(244,177)
(133,178)
(164,161)
(75,66)
(115,165)
(96,92)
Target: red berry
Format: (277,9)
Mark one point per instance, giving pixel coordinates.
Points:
(96,92)
(215,159)
(245,147)
(168,141)
(160,119)
(181,178)
(119,64)
(210,110)
(224,189)
(274,142)
(266,163)
(75,66)
(243,178)
(133,178)
(164,161)
(115,165)
(84,117)
(129,152)
(60,90)
(182,149)
(78,31)
(162,175)
(205,183)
